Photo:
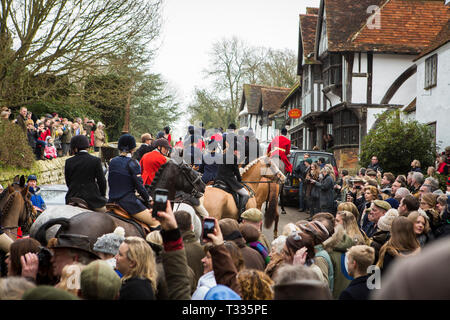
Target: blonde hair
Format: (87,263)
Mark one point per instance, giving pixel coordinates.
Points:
(330,170)
(416,163)
(13,288)
(414,215)
(255,285)
(363,255)
(349,206)
(373,190)
(66,282)
(142,254)
(351,227)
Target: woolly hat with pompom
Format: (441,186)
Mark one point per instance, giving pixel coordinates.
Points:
(385,222)
(109,243)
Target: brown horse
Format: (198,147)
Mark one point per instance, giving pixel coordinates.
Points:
(16,208)
(220,204)
(268,192)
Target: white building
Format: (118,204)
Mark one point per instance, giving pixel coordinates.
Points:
(433,87)
(257,104)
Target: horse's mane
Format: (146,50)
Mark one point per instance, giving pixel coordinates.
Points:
(251,164)
(158,175)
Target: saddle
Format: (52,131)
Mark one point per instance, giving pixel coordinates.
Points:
(115,210)
(239,200)
(78,202)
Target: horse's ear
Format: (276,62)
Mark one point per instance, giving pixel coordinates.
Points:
(22,181)
(16,179)
(24,192)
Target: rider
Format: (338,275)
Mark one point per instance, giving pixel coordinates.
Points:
(84,175)
(152,161)
(124,179)
(228,172)
(36,198)
(281,147)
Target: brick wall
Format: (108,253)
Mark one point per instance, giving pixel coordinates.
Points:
(347,158)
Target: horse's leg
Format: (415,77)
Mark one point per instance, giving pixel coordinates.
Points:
(282,200)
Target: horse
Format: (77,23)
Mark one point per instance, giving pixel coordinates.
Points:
(170,176)
(16,208)
(268,192)
(220,204)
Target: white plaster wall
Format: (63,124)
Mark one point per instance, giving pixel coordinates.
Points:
(359,84)
(406,92)
(371,113)
(434,104)
(386,69)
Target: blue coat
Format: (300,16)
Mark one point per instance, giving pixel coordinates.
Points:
(36,199)
(209,167)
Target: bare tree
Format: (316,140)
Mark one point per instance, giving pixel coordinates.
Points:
(41,39)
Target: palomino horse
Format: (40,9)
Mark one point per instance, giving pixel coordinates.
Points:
(16,208)
(220,204)
(170,176)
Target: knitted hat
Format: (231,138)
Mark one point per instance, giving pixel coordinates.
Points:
(309,160)
(221,292)
(48,293)
(317,230)
(31,177)
(99,281)
(385,222)
(382,204)
(252,214)
(109,243)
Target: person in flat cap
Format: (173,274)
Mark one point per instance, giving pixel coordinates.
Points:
(377,209)
(48,293)
(383,232)
(254,217)
(99,282)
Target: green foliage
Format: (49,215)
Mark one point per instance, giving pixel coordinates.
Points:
(397,143)
(210,110)
(153,107)
(14,148)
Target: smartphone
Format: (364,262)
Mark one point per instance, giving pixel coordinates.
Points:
(160,201)
(208,227)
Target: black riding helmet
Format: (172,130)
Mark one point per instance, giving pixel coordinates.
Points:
(126,143)
(162,142)
(80,142)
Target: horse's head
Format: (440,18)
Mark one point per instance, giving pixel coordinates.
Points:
(271,171)
(178,177)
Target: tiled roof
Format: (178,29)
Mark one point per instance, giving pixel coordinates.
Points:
(252,94)
(308,24)
(310,10)
(343,19)
(406,26)
(442,38)
(272,98)
(294,89)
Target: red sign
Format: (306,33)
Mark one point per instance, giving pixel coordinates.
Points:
(295,113)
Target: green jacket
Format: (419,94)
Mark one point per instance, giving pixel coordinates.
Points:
(194,254)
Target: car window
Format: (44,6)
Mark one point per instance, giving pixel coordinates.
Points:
(313,157)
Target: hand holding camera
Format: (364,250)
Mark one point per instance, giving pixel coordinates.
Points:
(162,210)
(212,232)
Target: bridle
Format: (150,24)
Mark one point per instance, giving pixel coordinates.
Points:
(29,214)
(196,183)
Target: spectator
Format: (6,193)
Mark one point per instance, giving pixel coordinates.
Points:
(298,282)
(374,164)
(388,180)
(441,204)
(401,193)
(276,257)
(326,187)
(382,235)
(428,205)
(359,258)
(99,137)
(421,227)
(21,118)
(442,167)
(207,280)
(17,255)
(349,206)
(254,217)
(50,150)
(300,172)
(194,251)
(370,195)
(417,180)
(235,254)
(377,209)
(136,262)
(431,172)
(5,113)
(107,246)
(32,135)
(415,166)
(36,198)
(432,183)
(408,204)
(99,282)
(312,191)
(348,222)
(230,230)
(362,172)
(67,130)
(251,235)
(255,285)
(395,186)
(146,146)
(48,293)
(403,243)
(13,288)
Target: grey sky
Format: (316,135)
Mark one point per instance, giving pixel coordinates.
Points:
(192,26)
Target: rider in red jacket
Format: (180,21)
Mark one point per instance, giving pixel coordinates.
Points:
(152,161)
(281,147)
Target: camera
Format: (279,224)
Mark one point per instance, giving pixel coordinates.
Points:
(208,227)
(358,187)
(160,201)
(44,257)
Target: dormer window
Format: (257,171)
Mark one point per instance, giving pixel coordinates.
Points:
(332,70)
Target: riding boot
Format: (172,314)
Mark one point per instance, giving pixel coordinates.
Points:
(242,202)
(5,242)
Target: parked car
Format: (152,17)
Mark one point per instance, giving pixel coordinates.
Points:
(290,191)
